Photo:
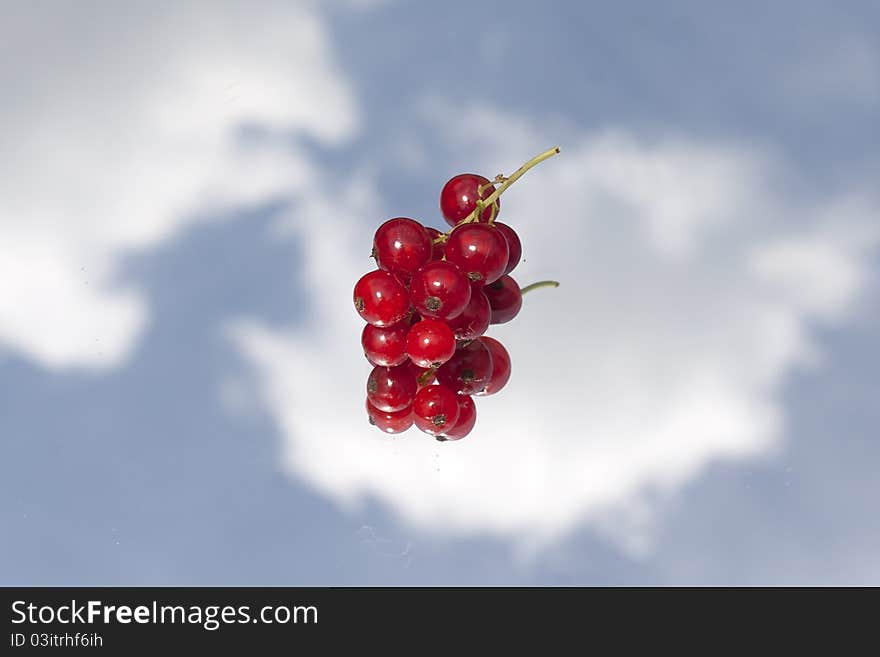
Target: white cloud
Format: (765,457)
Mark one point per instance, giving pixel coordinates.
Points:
(118,128)
(690,283)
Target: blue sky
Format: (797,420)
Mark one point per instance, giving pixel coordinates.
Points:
(188,197)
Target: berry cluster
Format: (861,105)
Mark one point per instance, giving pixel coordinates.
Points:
(429,303)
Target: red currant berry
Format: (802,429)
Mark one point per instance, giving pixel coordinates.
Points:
(459,197)
(467,418)
(504,298)
(439,247)
(435,409)
(430,343)
(480,250)
(381,299)
(390,422)
(385,345)
(514,246)
(391,389)
(500,365)
(469,371)
(440,290)
(401,246)
(474,319)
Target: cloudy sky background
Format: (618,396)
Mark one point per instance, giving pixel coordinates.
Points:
(187,196)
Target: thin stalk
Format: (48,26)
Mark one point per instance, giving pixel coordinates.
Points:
(539,284)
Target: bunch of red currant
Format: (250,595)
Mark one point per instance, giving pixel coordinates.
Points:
(429,303)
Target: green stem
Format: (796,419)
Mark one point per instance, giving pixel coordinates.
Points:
(505,183)
(427,375)
(535,286)
(546,155)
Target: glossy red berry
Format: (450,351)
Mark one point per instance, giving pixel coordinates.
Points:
(381,299)
(439,248)
(391,389)
(430,343)
(459,197)
(500,365)
(440,290)
(480,250)
(505,299)
(401,246)
(474,319)
(390,422)
(514,246)
(467,418)
(469,370)
(435,410)
(385,345)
